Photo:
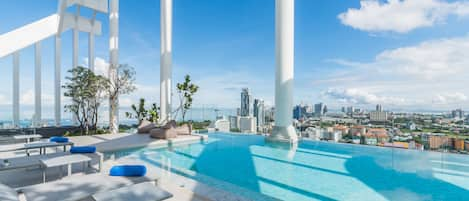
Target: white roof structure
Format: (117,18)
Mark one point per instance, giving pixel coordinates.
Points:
(13,42)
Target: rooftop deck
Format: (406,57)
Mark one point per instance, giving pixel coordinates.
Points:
(110,142)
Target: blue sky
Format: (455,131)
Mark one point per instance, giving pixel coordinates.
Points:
(407,55)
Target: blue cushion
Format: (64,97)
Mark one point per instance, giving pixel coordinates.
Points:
(58,139)
(128,170)
(84,149)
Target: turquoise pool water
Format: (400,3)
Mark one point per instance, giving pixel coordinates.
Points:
(316,170)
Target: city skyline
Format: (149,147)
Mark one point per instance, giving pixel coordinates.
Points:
(396,65)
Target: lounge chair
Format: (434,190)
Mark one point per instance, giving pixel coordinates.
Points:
(87,188)
(185,129)
(145,127)
(8,194)
(170,130)
(167,131)
(26,162)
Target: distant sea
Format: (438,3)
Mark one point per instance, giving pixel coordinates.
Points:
(195,114)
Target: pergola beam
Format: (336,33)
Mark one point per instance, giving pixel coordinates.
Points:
(47,27)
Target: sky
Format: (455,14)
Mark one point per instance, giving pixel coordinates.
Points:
(407,55)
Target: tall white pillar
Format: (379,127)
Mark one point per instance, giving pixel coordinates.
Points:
(57,105)
(91,56)
(16,89)
(75,41)
(37,85)
(166,60)
(113,61)
(75,52)
(284,57)
(91,51)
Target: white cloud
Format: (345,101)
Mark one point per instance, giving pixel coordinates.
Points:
(101,66)
(28,97)
(362,97)
(401,15)
(430,59)
(4,100)
(425,75)
(450,98)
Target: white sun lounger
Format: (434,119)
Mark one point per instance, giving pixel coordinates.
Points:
(34,161)
(82,188)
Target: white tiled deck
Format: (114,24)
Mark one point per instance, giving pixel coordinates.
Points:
(104,143)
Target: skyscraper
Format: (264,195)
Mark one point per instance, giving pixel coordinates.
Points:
(379,108)
(298,112)
(259,113)
(457,114)
(319,109)
(246,109)
(350,110)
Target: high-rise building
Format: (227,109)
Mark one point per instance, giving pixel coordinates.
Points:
(350,110)
(344,110)
(269,114)
(457,114)
(247,124)
(246,109)
(298,112)
(259,113)
(378,116)
(379,108)
(319,109)
(234,122)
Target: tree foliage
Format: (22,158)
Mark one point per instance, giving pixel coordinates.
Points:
(140,112)
(186,91)
(86,91)
(121,81)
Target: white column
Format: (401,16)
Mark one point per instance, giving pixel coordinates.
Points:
(91,47)
(75,41)
(91,51)
(16,89)
(166,59)
(284,57)
(113,61)
(75,44)
(57,100)
(37,85)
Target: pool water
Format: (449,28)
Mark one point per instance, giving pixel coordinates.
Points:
(315,170)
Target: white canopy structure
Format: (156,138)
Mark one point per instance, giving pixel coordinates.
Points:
(13,42)
(54,25)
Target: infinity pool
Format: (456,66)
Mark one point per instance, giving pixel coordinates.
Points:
(316,170)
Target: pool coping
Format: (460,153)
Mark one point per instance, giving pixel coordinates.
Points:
(157,143)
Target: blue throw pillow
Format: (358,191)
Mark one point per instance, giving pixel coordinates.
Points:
(83,149)
(58,139)
(128,170)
